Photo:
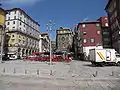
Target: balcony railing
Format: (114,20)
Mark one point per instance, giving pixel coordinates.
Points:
(23,32)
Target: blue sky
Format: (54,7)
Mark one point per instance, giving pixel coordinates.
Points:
(66,13)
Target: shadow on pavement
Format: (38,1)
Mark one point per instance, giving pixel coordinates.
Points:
(91,65)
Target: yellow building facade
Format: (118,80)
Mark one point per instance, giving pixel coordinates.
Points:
(2,28)
(2,16)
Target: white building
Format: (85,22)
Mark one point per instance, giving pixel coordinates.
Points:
(23,33)
(44,42)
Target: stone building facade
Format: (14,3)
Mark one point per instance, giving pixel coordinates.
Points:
(64,39)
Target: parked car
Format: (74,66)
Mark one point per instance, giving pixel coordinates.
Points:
(32,58)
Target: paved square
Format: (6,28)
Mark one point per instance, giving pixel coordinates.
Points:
(76,75)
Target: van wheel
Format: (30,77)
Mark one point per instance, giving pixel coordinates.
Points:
(102,65)
(118,64)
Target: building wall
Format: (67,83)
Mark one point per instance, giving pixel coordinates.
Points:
(88,35)
(64,39)
(89,32)
(44,42)
(2,16)
(106,32)
(2,28)
(40,43)
(53,45)
(113,10)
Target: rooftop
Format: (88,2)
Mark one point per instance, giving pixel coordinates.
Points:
(13,9)
(87,22)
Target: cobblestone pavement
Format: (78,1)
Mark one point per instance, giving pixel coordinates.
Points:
(76,75)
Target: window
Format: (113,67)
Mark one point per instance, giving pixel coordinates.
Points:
(19,40)
(20,18)
(24,25)
(63,38)
(106,33)
(13,22)
(8,18)
(114,5)
(23,42)
(14,17)
(13,27)
(20,28)
(97,25)
(84,33)
(20,23)
(9,13)
(8,23)
(15,12)
(98,32)
(21,12)
(106,24)
(92,40)
(12,40)
(83,25)
(85,41)
(106,39)
(106,19)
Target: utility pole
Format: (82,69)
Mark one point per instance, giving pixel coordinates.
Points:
(50,27)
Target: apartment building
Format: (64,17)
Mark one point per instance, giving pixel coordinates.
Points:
(88,36)
(22,33)
(113,11)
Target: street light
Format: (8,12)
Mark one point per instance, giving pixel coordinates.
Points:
(50,27)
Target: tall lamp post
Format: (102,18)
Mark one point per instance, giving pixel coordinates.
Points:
(50,27)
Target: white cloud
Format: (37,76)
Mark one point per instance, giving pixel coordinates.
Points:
(86,18)
(20,2)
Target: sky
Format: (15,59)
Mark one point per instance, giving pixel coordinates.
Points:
(65,13)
